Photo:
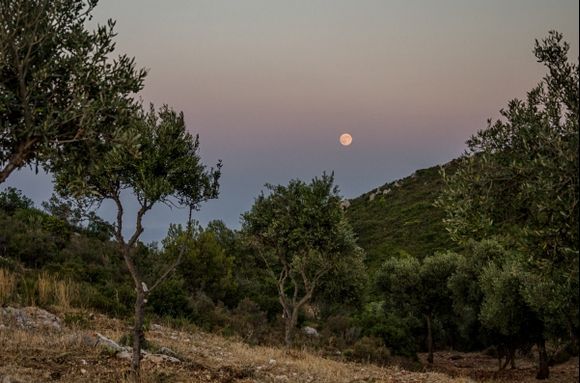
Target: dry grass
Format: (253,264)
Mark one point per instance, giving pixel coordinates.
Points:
(7,286)
(46,290)
(52,291)
(35,356)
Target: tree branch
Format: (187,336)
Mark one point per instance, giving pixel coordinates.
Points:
(169,270)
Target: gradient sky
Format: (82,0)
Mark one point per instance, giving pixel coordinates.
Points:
(269,85)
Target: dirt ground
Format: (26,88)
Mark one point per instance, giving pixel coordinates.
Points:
(41,354)
(484,368)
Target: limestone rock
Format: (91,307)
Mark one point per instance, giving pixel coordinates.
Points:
(108,344)
(160,358)
(30,318)
(310,331)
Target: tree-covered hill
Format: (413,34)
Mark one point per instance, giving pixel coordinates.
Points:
(400,216)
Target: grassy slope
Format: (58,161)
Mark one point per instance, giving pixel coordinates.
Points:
(39,356)
(402,220)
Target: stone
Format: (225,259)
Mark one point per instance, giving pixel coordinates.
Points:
(310,331)
(160,358)
(124,355)
(106,343)
(10,379)
(167,351)
(31,318)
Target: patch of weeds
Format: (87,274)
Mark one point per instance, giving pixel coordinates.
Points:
(80,320)
(127,340)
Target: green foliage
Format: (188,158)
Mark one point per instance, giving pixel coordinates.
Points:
(413,290)
(504,309)
(301,235)
(171,299)
(12,199)
(465,287)
(520,180)
(58,81)
(519,183)
(399,331)
(403,220)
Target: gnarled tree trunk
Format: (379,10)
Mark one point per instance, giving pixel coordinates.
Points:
(428,317)
(544,369)
(138,334)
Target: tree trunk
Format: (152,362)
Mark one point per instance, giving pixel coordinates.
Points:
(290,327)
(544,370)
(429,340)
(138,335)
(513,358)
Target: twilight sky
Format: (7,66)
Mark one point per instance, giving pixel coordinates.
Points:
(269,85)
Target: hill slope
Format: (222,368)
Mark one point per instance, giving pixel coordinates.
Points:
(66,353)
(400,216)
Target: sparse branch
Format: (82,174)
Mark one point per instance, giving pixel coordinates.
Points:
(169,270)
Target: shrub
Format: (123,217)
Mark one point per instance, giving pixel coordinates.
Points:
(171,299)
(369,349)
(249,322)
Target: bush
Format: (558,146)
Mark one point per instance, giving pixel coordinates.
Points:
(171,299)
(369,349)
(340,332)
(249,322)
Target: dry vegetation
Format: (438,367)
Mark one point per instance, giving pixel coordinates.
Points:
(62,356)
(44,354)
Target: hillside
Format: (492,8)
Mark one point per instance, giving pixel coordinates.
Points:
(76,346)
(400,216)
(37,349)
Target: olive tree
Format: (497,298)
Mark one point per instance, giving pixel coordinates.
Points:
(519,180)
(414,288)
(300,233)
(58,81)
(166,169)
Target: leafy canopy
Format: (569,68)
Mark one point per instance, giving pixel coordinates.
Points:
(58,81)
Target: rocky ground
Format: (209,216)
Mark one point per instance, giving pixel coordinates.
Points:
(38,346)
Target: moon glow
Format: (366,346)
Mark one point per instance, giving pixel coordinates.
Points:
(345,139)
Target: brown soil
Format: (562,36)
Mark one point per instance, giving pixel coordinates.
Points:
(44,355)
(484,368)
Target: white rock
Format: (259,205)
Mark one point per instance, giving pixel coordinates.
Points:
(124,355)
(160,358)
(310,331)
(167,351)
(104,342)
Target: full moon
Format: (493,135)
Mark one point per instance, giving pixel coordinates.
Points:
(345,139)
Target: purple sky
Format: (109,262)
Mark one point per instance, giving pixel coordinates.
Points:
(270,85)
